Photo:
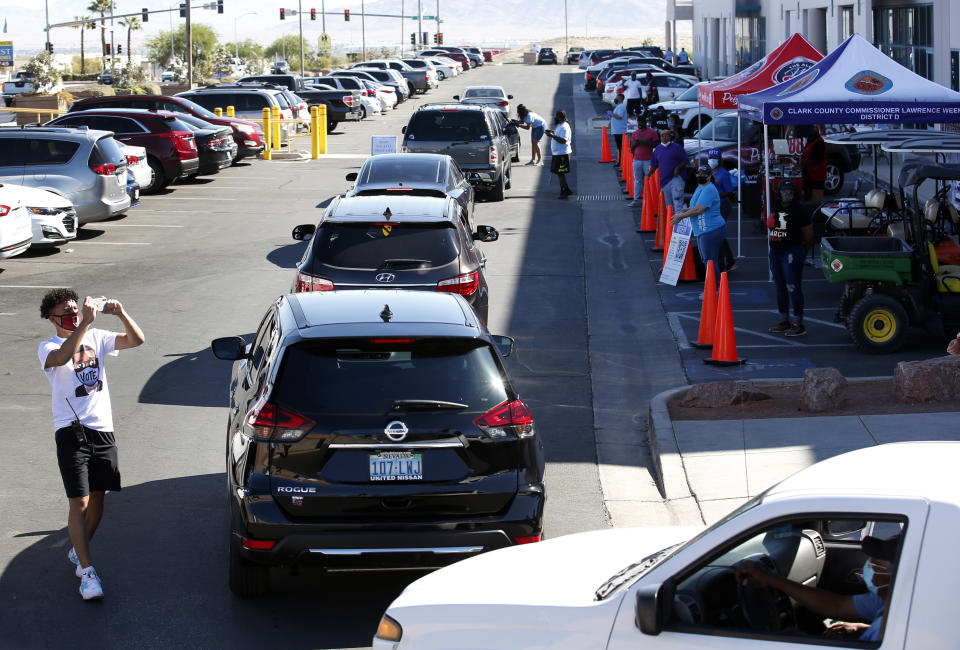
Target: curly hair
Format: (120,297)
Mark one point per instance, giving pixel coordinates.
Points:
(53,298)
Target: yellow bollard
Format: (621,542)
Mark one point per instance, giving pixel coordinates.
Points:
(266,134)
(231,112)
(218,111)
(275,137)
(315,132)
(322,128)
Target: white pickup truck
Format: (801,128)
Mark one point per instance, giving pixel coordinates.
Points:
(645,588)
(23,82)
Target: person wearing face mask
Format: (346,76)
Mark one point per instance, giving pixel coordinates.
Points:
(867,609)
(704,213)
(790,232)
(73,361)
(671,160)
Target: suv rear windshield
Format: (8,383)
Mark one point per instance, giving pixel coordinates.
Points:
(358,377)
(389,171)
(447,124)
(371,245)
(107,150)
(240,101)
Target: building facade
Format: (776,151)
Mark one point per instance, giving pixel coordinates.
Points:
(922,35)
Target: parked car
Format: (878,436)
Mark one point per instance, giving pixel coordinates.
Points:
(417,452)
(53,220)
(86,167)
(248,100)
(385,98)
(476,54)
(459,57)
(414,174)
(378,76)
(473,60)
(167,75)
(471,135)
(824,528)
(247,134)
(15,227)
(493,96)
(668,86)
(280,67)
(292,82)
(546,55)
(170,143)
(687,108)
(369,104)
(417,79)
(342,105)
(137,164)
(573,55)
(391,77)
(215,144)
(24,82)
(446,69)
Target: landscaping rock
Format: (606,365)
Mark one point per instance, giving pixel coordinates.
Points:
(928,380)
(823,389)
(716,394)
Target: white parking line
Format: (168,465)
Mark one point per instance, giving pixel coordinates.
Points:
(195,198)
(113,243)
(763,335)
(140,225)
(30,286)
(806,345)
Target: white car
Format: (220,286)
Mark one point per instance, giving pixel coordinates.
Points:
(386,95)
(671,588)
(16,232)
(685,106)
(492,96)
(53,221)
(446,68)
(137,164)
(669,86)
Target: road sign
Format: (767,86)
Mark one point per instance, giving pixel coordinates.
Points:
(6,54)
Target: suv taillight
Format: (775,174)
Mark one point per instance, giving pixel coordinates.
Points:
(465,284)
(493,155)
(267,421)
(184,143)
(307,282)
(105,169)
(348,100)
(511,418)
(133,160)
(4,210)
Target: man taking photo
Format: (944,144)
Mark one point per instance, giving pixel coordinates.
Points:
(74,363)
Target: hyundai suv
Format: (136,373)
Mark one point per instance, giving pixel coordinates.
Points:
(470,134)
(374,429)
(395,241)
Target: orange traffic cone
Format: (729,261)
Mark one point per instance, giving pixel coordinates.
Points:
(661,237)
(724,337)
(667,236)
(708,311)
(605,156)
(647,213)
(628,167)
(688,273)
(626,159)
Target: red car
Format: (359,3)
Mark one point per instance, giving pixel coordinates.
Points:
(248,135)
(170,144)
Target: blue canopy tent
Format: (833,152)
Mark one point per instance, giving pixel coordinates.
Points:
(854,84)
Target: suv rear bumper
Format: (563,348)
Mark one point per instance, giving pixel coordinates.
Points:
(412,544)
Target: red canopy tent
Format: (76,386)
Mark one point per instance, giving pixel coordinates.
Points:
(794,56)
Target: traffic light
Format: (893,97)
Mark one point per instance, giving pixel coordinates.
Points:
(346,14)
(413,38)
(424,39)
(313,14)
(439,38)
(219,6)
(50,48)
(108,48)
(183,10)
(145,14)
(434,38)
(283,14)
(119,48)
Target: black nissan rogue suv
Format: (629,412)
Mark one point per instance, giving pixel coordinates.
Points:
(375,429)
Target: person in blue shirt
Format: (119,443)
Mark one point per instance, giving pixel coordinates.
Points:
(722,180)
(618,124)
(536,125)
(704,213)
(868,609)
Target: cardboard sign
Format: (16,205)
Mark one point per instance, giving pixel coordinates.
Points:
(383,144)
(679,245)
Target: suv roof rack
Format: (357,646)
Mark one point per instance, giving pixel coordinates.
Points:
(243,85)
(456,104)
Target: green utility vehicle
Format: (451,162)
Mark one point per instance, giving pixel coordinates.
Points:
(894,282)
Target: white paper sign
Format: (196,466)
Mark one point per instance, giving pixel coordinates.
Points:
(383,144)
(679,244)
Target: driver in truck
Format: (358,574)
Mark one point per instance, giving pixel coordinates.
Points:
(867,608)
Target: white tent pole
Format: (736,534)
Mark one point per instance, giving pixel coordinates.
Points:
(739,187)
(766,174)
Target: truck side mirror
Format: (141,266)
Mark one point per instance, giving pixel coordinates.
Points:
(229,348)
(649,617)
(352,176)
(457,97)
(304,232)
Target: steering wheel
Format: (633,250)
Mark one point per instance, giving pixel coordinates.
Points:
(760,607)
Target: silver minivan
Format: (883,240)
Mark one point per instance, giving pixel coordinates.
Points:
(85,166)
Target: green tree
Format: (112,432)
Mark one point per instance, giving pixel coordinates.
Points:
(286,46)
(132,23)
(246,49)
(102,7)
(41,66)
(221,61)
(83,25)
(204,43)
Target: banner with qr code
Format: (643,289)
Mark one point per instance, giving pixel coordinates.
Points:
(679,244)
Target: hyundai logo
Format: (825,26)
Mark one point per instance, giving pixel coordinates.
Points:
(396,430)
(385,277)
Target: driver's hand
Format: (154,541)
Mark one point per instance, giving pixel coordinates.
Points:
(954,346)
(754,575)
(844,629)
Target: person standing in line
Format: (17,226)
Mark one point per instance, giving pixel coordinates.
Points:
(652,92)
(642,142)
(683,58)
(673,123)
(668,56)
(618,124)
(791,236)
(633,91)
(671,160)
(74,363)
(536,125)
(813,158)
(561,148)
(704,213)
(723,181)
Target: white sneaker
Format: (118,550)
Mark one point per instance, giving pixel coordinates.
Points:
(90,587)
(72,556)
(633,204)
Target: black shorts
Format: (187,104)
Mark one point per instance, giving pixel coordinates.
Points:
(90,467)
(560,164)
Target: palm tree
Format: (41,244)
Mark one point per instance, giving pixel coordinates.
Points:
(83,25)
(102,7)
(133,24)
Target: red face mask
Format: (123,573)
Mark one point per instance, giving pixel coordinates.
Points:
(69,322)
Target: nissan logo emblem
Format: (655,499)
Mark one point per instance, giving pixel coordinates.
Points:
(386,277)
(396,430)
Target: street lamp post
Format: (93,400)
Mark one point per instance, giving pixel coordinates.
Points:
(236,40)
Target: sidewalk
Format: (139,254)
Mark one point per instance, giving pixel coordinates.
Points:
(722,463)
